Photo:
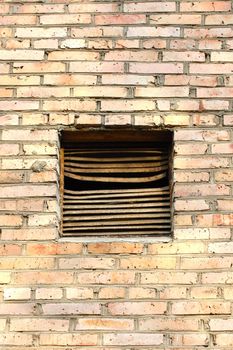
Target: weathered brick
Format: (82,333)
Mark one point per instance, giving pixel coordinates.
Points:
(69,339)
(105,324)
(133,339)
(84,308)
(137,308)
(17,293)
(38,324)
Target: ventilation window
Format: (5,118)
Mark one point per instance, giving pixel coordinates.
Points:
(116,183)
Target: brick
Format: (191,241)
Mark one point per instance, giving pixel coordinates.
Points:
(100,44)
(10,249)
(111,293)
(69,105)
(177,247)
(19,80)
(225,205)
(176,292)
(206,6)
(97,67)
(153,31)
(69,339)
(96,7)
(84,308)
(5,277)
(40,67)
(211,68)
(200,163)
(39,277)
(10,220)
(65,19)
(2,324)
(86,263)
(19,191)
(127,105)
(224,339)
(18,44)
(105,324)
(127,79)
(204,293)
(113,277)
(42,148)
(40,32)
(201,135)
(210,44)
(115,248)
(9,149)
(203,33)
(79,293)
(228,120)
(175,19)
(223,19)
(148,262)
(222,148)
(215,92)
(228,292)
(69,79)
(206,263)
(191,148)
(150,7)
(19,105)
(141,293)
(154,44)
(16,339)
(185,56)
(161,92)
(168,277)
(88,119)
(219,324)
(190,339)
(202,307)
(46,44)
(217,277)
(137,308)
(147,120)
(224,175)
(26,263)
(54,248)
(160,68)
(127,55)
(117,119)
(43,92)
(96,91)
(73,56)
(35,55)
(17,309)
(48,293)
(39,324)
(201,190)
(132,339)
(38,8)
(73,43)
(163,324)
(119,19)
(9,119)
(17,20)
(190,205)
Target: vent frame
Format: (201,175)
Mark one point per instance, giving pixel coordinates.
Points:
(90,139)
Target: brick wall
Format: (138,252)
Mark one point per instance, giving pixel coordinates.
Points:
(156,64)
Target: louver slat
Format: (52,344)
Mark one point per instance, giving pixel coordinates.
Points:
(91,209)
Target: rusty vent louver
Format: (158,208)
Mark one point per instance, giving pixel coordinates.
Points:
(116,192)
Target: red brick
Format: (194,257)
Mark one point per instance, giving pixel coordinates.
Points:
(17,20)
(220,19)
(38,8)
(203,33)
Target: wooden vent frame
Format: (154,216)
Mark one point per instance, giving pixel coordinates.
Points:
(116,183)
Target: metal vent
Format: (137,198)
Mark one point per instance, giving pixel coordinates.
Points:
(116,191)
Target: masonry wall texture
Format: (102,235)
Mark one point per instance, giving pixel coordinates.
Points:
(158,64)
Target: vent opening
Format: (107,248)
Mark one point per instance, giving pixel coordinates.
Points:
(115,186)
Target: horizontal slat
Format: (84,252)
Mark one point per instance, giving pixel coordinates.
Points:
(119,227)
(121,190)
(116,211)
(115,206)
(116,233)
(115,159)
(117,170)
(108,222)
(118,217)
(115,165)
(119,195)
(117,151)
(119,224)
(116,179)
